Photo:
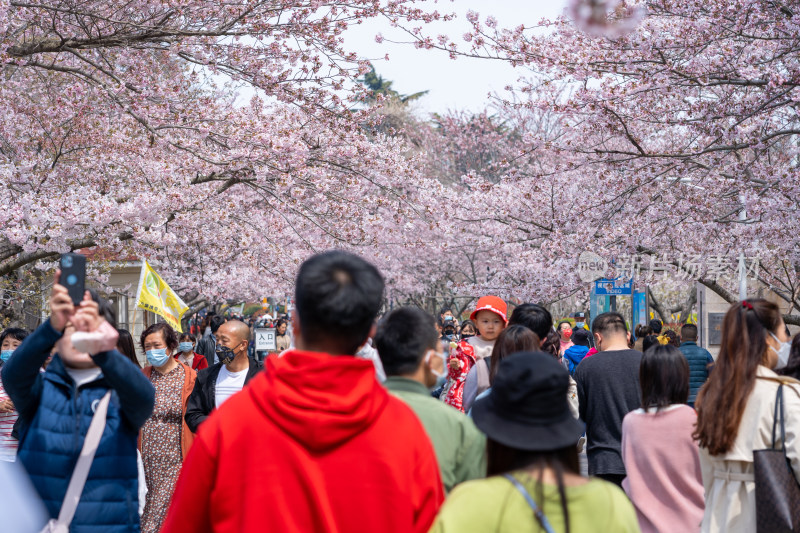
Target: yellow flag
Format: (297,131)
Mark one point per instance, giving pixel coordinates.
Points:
(156,296)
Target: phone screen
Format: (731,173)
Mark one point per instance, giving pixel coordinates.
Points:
(73,275)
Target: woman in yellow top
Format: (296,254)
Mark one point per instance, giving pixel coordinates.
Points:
(532,453)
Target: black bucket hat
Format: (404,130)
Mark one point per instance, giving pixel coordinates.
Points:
(527,407)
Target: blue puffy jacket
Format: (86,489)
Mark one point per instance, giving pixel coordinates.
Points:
(54,418)
(700,361)
(574,355)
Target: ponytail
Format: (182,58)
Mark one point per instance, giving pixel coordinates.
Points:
(721,402)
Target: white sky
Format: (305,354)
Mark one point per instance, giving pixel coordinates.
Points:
(452,84)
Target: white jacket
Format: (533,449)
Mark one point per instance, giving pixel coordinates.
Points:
(728,479)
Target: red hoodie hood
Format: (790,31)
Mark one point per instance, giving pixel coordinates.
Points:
(320,400)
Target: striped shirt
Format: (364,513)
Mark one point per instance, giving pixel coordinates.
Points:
(8,444)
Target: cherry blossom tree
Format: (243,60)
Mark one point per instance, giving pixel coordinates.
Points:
(220,141)
(676,139)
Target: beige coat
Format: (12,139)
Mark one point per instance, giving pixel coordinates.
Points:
(728,480)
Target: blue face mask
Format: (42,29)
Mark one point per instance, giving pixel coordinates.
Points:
(157,357)
(579,324)
(185,346)
(5,355)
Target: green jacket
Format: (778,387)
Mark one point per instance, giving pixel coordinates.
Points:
(460,446)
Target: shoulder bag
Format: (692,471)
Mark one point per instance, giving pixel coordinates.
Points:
(777,491)
(81,472)
(537,511)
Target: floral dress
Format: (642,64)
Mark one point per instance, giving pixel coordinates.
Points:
(454,393)
(161,446)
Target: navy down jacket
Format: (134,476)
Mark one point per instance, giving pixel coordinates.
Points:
(54,419)
(700,362)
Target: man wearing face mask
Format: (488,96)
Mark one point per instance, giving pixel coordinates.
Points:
(412,357)
(217,383)
(580,323)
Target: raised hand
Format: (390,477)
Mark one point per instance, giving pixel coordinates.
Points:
(61,307)
(6,406)
(87,317)
(103,339)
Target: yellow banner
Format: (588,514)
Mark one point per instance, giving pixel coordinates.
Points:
(156,296)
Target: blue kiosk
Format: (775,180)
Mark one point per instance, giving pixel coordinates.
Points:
(604,298)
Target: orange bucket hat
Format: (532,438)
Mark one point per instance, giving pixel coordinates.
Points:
(491,303)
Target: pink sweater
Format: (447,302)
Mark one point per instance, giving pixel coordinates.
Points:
(663,466)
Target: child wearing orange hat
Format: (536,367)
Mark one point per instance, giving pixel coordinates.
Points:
(490,317)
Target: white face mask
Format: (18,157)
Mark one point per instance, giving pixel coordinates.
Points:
(439,375)
(783,352)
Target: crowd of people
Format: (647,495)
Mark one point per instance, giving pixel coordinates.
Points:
(394,423)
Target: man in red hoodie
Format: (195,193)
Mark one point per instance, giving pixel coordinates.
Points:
(314,443)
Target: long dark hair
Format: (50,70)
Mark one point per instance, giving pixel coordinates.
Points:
(279,323)
(672,338)
(125,346)
(721,401)
(552,344)
(502,459)
(513,339)
(648,342)
(663,377)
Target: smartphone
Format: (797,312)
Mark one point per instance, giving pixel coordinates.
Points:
(73,275)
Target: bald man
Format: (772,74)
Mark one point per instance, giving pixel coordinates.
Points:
(215,384)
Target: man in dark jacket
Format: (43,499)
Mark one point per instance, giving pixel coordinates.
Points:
(608,389)
(207,345)
(699,359)
(219,382)
(56,407)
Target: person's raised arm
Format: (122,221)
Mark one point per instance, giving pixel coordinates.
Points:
(21,372)
(136,393)
(137,396)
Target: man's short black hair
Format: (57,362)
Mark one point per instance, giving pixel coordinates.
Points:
(215,322)
(581,337)
(656,325)
(688,332)
(609,323)
(15,333)
(404,337)
(337,297)
(534,317)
